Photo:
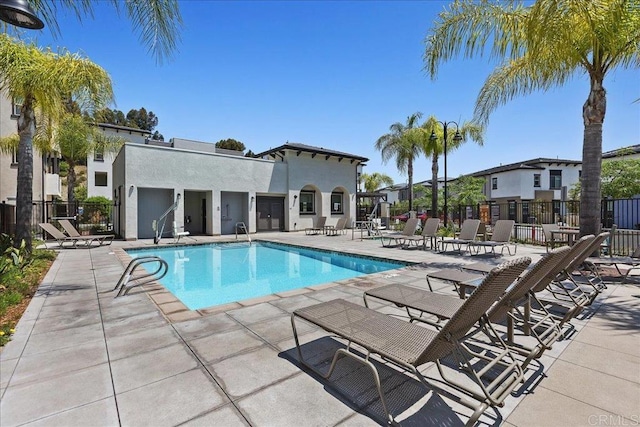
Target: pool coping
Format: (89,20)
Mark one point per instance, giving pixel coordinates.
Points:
(174,310)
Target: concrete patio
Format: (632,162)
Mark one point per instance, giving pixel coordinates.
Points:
(81,357)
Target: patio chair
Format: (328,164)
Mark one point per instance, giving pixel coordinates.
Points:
(495,374)
(468,233)
(541,324)
(607,245)
(102,239)
(62,238)
(580,273)
(550,241)
(501,237)
(176,233)
(339,228)
(318,228)
(561,292)
(429,234)
(395,239)
(632,262)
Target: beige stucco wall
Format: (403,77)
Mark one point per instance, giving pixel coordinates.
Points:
(144,166)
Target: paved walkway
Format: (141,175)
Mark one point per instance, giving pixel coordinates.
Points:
(81,357)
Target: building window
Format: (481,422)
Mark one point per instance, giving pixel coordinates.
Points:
(101,179)
(494,183)
(98,154)
(512,209)
(336,203)
(536,180)
(307,202)
(14,157)
(16,107)
(555,179)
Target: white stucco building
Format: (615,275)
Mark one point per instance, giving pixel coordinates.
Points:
(537,179)
(99,164)
(286,189)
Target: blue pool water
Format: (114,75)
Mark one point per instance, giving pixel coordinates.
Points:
(207,275)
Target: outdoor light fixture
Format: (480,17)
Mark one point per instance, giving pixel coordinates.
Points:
(457,137)
(20,14)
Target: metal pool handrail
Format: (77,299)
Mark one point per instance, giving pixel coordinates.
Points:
(129,280)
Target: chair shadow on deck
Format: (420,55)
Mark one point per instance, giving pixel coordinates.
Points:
(411,402)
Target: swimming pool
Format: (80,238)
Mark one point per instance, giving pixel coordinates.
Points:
(208,275)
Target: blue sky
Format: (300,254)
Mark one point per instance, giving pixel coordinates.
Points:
(331,74)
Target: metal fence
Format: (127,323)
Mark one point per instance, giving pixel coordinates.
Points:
(625,213)
(529,215)
(88,218)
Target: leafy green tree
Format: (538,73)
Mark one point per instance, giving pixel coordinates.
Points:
(75,139)
(620,180)
(435,147)
(43,80)
(230,144)
(141,119)
(467,191)
(404,143)
(80,193)
(113,117)
(250,154)
(374,181)
(543,46)
(157,136)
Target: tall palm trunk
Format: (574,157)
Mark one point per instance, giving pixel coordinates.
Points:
(593,113)
(434,185)
(410,175)
(24,189)
(71,182)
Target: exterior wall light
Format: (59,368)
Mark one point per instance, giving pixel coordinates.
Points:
(20,14)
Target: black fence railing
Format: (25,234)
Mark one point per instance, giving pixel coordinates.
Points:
(88,218)
(625,213)
(529,215)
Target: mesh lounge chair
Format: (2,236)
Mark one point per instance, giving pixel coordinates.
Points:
(395,239)
(339,228)
(501,237)
(579,275)
(540,324)
(468,234)
(550,241)
(632,262)
(318,228)
(62,238)
(410,346)
(566,295)
(102,239)
(429,234)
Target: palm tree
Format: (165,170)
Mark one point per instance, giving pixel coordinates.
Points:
(543,46)
(43,80)
(435,147)
(374,181)
(75,138)
(157,22)
(404,143)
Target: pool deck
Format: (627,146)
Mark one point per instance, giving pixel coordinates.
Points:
(81,357)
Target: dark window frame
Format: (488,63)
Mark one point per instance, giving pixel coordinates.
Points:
(341,210)
(302,203)
(537,179)
(494,183)
(106,179)
(555,179)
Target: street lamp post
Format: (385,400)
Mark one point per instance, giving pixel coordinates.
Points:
(457,137)
(20,14)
